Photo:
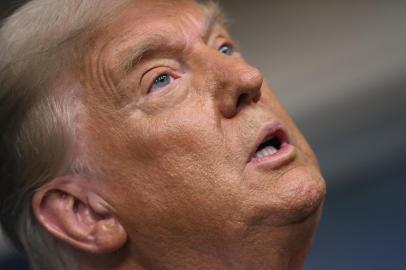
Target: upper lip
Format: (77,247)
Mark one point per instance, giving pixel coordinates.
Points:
(267,132)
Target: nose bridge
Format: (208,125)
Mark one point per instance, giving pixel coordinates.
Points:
(235,84)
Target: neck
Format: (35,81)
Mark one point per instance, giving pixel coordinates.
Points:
(257,247)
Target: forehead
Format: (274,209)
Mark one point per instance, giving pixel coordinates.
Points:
(148,23)
(145,27)
(153,17)
(152,10)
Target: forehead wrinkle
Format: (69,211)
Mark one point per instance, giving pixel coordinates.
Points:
(213,16)
(101,85)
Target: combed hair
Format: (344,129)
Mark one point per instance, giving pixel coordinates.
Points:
(40,43)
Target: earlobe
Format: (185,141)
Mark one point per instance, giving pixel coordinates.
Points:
(109,236)
(71,212)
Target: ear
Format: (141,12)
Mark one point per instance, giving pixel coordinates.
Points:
(70,210)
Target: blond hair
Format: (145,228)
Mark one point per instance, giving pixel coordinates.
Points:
(39,44)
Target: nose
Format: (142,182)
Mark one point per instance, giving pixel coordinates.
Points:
(237,85)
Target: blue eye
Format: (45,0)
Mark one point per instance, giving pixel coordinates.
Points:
(161,81)
(226,49)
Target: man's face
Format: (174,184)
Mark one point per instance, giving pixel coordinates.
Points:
(177,121)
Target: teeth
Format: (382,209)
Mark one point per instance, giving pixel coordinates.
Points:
(267,151)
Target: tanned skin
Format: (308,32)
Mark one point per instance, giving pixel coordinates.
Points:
(172,132)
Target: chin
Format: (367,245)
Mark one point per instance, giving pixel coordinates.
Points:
(295,196)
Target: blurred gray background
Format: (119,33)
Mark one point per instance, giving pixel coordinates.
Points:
(340,69)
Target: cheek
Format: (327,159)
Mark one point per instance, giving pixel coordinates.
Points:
(169,166)
(173,140)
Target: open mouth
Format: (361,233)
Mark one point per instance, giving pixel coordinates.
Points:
(271,145)
(268,147)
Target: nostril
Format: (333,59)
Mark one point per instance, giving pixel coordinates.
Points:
(257,97)
(242,99)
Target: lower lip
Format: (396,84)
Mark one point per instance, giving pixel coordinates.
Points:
(284,155)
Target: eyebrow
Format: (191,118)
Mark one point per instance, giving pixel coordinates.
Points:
(154,43)
(214,16)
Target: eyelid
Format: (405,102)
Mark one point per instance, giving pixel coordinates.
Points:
(152,74)
(226,41)
(151,84)
(226,45)
(164,65)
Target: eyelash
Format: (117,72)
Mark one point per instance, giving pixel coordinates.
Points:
(166,74)
(231,46)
